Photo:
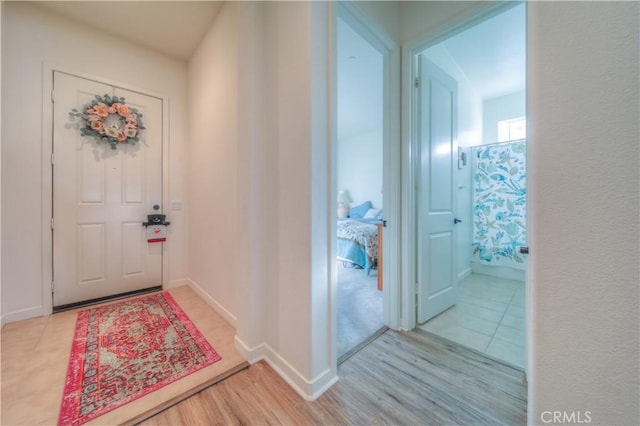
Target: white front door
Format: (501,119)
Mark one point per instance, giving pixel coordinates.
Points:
(101,197)
(437,135)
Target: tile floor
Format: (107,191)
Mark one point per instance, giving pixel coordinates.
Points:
(35,353)
(490,318)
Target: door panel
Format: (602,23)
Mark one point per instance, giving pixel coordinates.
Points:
(91,252)
(438,104)
(440,262)
(440,147)
(91,176)
(133,192)
(133,262)
(101,197)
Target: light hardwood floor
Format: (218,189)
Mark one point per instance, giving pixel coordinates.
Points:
(35,356)
(399,379)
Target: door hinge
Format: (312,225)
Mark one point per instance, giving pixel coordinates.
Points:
(52,287)
(52,224)
(417,82)
(53,97)
(52,159)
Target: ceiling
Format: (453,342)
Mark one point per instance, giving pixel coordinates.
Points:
(493,54)
(171,27)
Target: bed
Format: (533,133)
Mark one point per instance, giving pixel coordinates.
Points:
(360,243)
(360,238)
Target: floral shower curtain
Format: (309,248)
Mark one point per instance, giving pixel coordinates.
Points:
(499,195)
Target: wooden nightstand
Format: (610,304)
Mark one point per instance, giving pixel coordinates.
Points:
(379,267)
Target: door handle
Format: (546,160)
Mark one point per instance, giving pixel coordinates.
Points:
(524,250)
(456,221)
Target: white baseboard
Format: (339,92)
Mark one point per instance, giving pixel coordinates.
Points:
(464,274)
(221,310)
(176,283)
(310,390)
(499,271)
(23,314)
(252,355)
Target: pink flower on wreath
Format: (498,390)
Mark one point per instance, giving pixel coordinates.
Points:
(101,110)
(123,110)
(121,136)
(97,125)
(132,121)
(113,108)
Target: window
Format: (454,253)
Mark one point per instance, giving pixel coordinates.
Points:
(514,129)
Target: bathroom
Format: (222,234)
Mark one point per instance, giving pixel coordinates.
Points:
(488,62)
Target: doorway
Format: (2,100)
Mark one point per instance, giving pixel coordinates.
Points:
(359,180)
(102,194)
(366,181)
(470,271)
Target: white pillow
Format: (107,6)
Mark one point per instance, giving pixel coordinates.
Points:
(373,214)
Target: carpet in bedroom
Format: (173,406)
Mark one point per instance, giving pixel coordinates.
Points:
(359,308)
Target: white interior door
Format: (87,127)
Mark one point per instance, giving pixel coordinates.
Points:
(101,196)
(437,133)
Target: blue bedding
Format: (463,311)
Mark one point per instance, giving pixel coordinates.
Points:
(351,252)
(358,242)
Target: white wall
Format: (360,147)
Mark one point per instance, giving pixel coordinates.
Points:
(360,167)
(213,192)
(33,36)
(502,108)
(1,316)
(257,86)
(583,165)
(257,183)
(469,134)
(302,125)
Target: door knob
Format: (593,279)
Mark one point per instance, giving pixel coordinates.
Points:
(456,221)
(524,250)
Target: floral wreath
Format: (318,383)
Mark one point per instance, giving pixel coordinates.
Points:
(110,120)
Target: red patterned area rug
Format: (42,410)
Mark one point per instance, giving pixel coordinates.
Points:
(126,350)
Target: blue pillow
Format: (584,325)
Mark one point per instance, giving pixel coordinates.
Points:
(359,211)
